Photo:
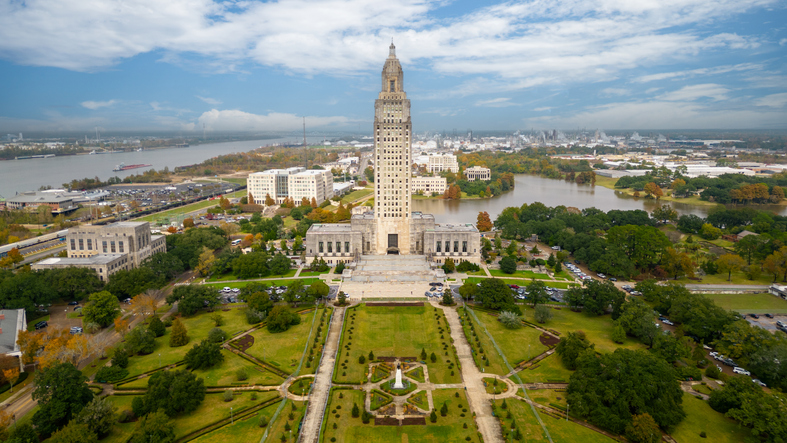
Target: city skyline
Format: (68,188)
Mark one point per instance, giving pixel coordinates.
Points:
(262,66)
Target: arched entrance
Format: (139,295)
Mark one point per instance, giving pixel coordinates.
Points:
(393,251)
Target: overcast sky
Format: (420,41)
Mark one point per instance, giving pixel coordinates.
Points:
(253,65)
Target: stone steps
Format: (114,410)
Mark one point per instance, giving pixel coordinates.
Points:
(392,268)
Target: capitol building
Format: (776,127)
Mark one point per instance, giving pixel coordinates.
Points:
(391,227)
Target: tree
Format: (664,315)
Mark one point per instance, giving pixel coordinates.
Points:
(145,303)
(542,314)
(468,290)
(74,432)
(665,213)
(102,308)
(677,263)
(204,355)
(448,299)
(120,357)
(341,298)
(730,263)
(174,391)
(156,326)
(179,336)
(643,429)
(217,319)
(618,334)
(444,409)
(281,318)
(23,433)
(356,412)
(710,232)
(537,290)
(269,200)
(98,416)
(652,190)
(484,223)
(205,261)
(610,389)
(449,266)
(155,427)
(259,301)
(10,375)
(765,414)
(140,340)
(121,324)
(551,260)
(508,264)
(510,320)
(636,319)
(217,335)
(318,290)
(280,264)
(495,294)
(571,347)
(192,298)
(30,342)
(61,392)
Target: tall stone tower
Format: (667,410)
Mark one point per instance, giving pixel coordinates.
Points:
(392,161)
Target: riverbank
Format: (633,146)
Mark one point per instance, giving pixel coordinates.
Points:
(609,183)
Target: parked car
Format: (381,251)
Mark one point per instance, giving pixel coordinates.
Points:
(769,315)
(613,279)
(41,325)
(668,322)
(754,316)
(72,303)
(759,382)
(739,370)
(76,330)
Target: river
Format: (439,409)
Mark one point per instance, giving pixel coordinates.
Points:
(531,188)
(29,175)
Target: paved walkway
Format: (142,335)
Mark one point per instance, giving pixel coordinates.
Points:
(322,380)
(473,380)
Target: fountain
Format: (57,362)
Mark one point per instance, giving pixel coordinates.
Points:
(398,383)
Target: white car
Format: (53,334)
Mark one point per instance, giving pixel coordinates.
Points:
(739,370)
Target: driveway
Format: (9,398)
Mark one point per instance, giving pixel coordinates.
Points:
(58,319)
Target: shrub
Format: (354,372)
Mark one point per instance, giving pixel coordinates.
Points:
(120,357)
(204,355)
(356,412)
(263,421)
(253,317)
(241,374)
(126,416)
(227,396)
(281,318)
(712,372)
(444,410)
(167,322)
(362,359)
(110,374)
(179,336)
(140,341)
(618,334)
(510,320)
(433,417)
(433,357)
(542,314)
(217,335)
(156,326)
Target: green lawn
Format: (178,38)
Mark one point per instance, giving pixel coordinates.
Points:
(277,428)
(121,431)
(356,195)
(519,274)
(246,429)
(225,373)
(597,328)
(226,277)
(309,367)
(283,349)
(446,429)
(738,278)
(482,346)
(510,281)
(700,417)
(399,332)
(750,303)
(548,397)
(214,408)
(269,282)
(198,327)
(560,430)
(31,325)
(518,345)
(550,369)
(314,273)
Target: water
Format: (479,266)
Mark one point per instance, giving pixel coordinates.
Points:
(29,175)
(531,188)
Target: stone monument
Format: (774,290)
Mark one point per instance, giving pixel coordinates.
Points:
(398,382)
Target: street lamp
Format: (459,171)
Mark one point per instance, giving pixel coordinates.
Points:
(232,417)
(159,359)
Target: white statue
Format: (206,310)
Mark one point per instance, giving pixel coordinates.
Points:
(398,383)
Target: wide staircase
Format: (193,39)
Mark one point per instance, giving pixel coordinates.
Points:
(393,268)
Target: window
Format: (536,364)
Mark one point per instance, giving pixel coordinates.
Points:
(447,246)
(338,246)
(320,247)
(90,244)
(81,244)
(112,246)
(104,245)
(464,246)
(439,249)
(346,246)
(73,244)
(368,246)
(392,86)
(330,247)
(456,246)
(120,246)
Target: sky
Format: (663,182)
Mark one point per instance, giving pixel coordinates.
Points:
(183,65)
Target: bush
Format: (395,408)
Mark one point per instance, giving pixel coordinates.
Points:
(508,265)
(179,336)
(110,374)
(712,372)
(356,412)
(618,334)
(542,314)
(686,372)
(241,374)
(253,317)
(263,421)
(433,417)
(156,326)
(120,357)
(140,341)
(204,355)
(510,320)
(227,396)
(217,335)
(433,357)
(362,359)
(467,266)
(126,416)
(281,318)
(167,322)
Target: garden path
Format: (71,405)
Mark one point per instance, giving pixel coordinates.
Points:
(322,380)
(473,381)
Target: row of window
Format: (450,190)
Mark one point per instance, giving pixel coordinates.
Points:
(330,247)
(438,245)
(104,245)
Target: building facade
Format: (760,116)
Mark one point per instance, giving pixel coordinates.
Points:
(296,182)
(428,185)
(442,162)
(478,173)
(312,184)
(391,227)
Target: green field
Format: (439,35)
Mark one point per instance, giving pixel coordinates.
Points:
(399,332)
(548,370)
(356,195)
(597,328)
(560,430)
(511,281)
(700,417)
(283,349)
(518,344)
(277,428)
(447,429)
(198,327)
(225,277)
(750,303)
(519,274)
(270,282)
(245,429)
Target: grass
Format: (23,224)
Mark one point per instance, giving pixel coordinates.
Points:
(560,430)
(550,369)
(524,283)
(518,344)
(269,282)
(226,277)
(703,389)
(446,429)
(379,399)
(597,328)
(501,387)
(408,387)
(283,349)
(416,374)
(309,367)
(380,373)
(356,195)
(277,428)
(419,399)
(225,373)
(520,274)
(750,303)
(121,431)
(399,332)
(214,408)
(481,346)
(302,386)
(31,325)
(246,429)
(198,327)
(314,273)
(737,278)
(549,397)
(188,208)
(700,417)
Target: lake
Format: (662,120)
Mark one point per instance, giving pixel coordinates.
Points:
(532,188)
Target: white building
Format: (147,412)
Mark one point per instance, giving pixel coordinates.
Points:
(294,182)
(478,173)
(428,185)
(442,162)
(311,184)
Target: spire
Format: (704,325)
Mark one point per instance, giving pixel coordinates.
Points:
(392,50)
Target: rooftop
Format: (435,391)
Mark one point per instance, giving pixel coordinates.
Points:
(331,227)
(100,259)
(459,227)
(12,322)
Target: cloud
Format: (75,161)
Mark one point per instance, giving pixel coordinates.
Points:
(614,91)
(701,71)
(96,105)
(501,102)
(235,120)
(783,42)
(694,92)
(208,100)
(545,108)
(773,100)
